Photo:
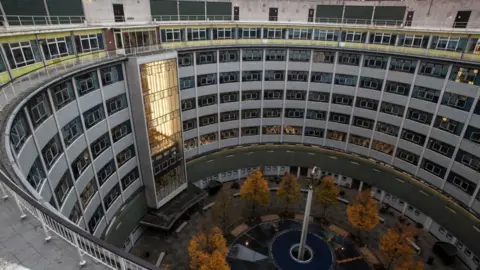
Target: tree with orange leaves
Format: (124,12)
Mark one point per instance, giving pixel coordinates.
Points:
(222,213)
(362,214)
(208,250)
(326,193)
(289,190)
(410,265)
(255,190)
(396,248)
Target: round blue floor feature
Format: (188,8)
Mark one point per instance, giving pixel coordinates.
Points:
(321,253)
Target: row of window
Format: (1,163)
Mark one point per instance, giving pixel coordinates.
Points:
(456,44)
(39,109)
(28,52)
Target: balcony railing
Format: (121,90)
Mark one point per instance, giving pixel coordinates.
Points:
(85,243)
(35,20)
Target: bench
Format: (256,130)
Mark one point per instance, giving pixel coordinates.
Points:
(208,206)
(180,228)
(343,200)
(412,243)
(160,259)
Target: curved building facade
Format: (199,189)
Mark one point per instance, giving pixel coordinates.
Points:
(112,111)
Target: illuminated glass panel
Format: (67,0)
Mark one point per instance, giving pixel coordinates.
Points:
(162,113)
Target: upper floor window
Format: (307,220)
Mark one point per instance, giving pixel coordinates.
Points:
(274,75)
(372,61)
(323,57)
(397,88)
(128,179)
(468,160)
(367,103)
(116,104)
(76,213)
(325,35)
(208,138)
(185,59)
(189,124)
(100,145)
(448,125)
(80,163)
(359,140)
(419,116)
(251,95)
(208,120)
(354,36)
(299,55)
(223,33)
(271,130)
(403,65)
(461,182)
(36,175)
(106,171)
(187,82)
(416,41)
(19,131)
(407,156)
(339,118)
(250,113)
(88,192)
(319,96)
(465,75)
(296,95)
(229,116)
(294,113)
(207,100)
(272,112)
(39,108)
(473,134)
(297,76)
(321,77)
(206,58)
(252,76)
(207,79)
(125,155)
(383,38)
(440,147)
(21,54)
(62,94)
(94,115)
(303,34)
(249,33)
(388,129)
(229,97)
(63,188)
(56,47)
(363,122)
(111,74)
(427,94)
(95,219)
(316,115)
(87,82)
(250,131)
(342,99)
(457,101)
(314,132)
(433,168)
(371,83)
(229,56)
(51,151)
(275,55)
(121,130)
(348,80)
(449,43)
(413,137)
(88,43)
(349,59)
(273,95)
(197,34)
(229,77)
(274,33)
(172,35)
(111,196)
(433,69)
(228,133)
(72,130)
(391,108)
(292,130)
(252,54)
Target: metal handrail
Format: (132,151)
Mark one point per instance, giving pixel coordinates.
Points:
(85,243)
(27,20)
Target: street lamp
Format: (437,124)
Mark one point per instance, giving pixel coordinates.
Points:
(306,217)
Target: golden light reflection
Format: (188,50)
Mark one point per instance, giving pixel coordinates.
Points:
(162,105)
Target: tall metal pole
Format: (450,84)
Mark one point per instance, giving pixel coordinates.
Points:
(306,219)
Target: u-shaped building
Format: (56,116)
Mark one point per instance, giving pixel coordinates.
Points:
(116,111)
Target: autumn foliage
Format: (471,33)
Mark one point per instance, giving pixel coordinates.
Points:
(396,249)
(326,193)
(222,213)
(255,191)
(208,250)
(289,190)
(362,214)
(410,265)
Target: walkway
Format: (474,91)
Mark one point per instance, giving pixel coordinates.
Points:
(23,246)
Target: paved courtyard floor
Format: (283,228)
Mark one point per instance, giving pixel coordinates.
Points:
(175,245)
(23,246)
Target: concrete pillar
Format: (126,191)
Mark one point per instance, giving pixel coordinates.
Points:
(298,172)
(404,209)
(382,196)
(427,224)
(360,187)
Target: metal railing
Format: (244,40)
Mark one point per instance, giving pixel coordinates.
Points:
(83,242)
(25,20)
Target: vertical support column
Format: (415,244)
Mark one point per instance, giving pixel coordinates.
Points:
(343,12)
(205,11)
(427,224)
(298,172)
(7,65)
(44,226)
(2,187)
(79,250)
(360,187)
(4,16)
(404,209)
(178,10)
(22,214)
(373,16)
(48,12)
(382,196)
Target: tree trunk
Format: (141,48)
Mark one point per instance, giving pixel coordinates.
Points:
(324,211)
